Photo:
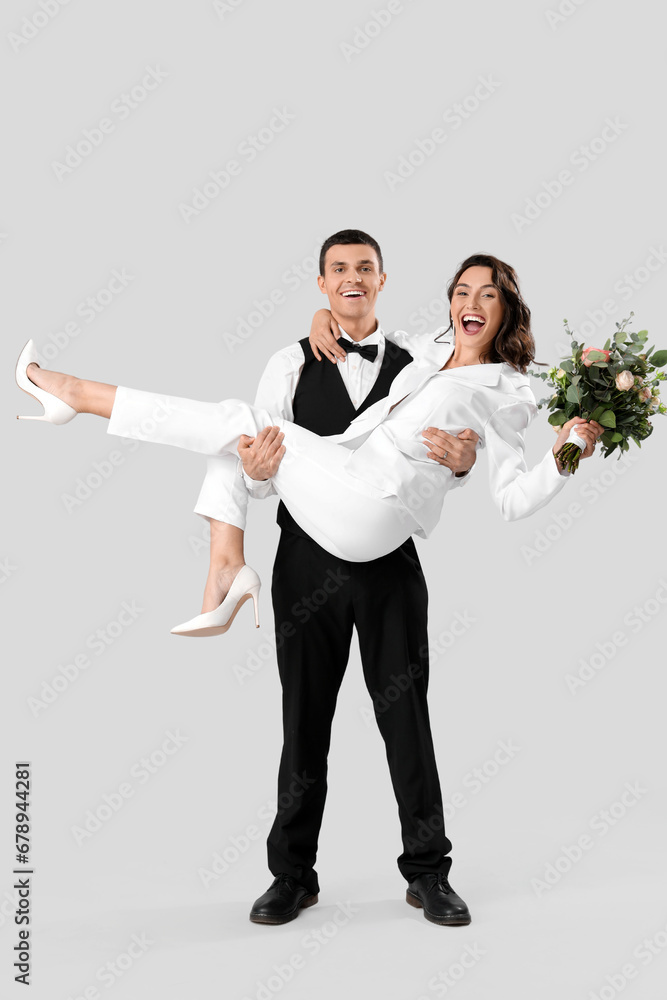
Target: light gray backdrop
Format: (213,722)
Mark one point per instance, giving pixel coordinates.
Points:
(533,130)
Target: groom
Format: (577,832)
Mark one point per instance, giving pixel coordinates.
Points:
(385,600)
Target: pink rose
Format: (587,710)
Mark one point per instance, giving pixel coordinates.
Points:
(645,394)
(589,361)
(625,380)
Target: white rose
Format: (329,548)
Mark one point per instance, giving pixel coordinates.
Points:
(625,380)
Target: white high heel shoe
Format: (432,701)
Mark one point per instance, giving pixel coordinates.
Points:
(245,586)
(55,410)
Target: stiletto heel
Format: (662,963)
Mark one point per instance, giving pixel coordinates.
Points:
(246,586)
(56,411)
(255,595)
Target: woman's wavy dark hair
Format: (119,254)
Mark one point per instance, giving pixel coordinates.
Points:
(514,342)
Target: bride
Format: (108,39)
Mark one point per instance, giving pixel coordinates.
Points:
(362,493)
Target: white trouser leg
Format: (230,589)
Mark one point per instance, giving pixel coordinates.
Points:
(345,515)
(223,495)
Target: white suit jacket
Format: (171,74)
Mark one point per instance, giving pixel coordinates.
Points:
(495,400)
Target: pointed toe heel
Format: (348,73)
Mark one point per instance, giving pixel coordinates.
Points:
(56,411)
(246,587)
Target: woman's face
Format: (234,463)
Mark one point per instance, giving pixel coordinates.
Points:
(477,308)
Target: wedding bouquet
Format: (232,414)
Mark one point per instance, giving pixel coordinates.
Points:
(617,385)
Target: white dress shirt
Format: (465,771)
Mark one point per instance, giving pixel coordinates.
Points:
(359,374)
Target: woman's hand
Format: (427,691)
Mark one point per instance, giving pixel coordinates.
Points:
(324,334)
(588,430)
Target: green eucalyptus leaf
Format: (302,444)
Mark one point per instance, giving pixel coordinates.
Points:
(595,355)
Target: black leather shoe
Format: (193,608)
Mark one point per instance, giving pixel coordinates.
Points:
(432,892)
(282,901)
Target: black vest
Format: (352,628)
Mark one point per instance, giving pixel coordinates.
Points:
(322,404)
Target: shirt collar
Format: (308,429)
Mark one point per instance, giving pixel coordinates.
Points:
(373,338)
(488,374)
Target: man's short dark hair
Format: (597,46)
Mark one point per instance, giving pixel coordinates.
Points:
(350,237)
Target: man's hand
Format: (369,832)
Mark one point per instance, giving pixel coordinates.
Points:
(262,455)
(460,451)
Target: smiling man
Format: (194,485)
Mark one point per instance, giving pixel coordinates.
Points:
(385,600)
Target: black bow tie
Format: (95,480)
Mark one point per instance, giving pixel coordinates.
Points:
(370,352)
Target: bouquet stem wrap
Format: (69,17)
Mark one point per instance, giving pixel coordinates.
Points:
(570,453)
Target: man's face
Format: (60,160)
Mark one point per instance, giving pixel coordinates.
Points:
(351,280)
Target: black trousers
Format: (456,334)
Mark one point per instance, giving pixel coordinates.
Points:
(318,600)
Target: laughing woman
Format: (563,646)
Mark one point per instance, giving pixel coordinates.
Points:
(353,493)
